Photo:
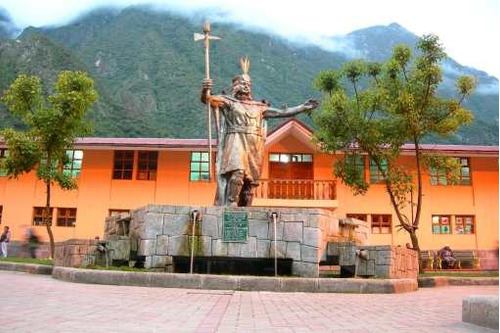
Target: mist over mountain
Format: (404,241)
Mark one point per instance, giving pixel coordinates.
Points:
(7,27)
(148,70)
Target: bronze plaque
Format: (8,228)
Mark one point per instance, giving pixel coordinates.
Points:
(235,227)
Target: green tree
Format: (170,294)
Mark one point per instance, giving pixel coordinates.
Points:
(52,124)
(373,109)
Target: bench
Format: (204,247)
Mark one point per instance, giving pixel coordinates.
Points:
(427,259)
(465,259)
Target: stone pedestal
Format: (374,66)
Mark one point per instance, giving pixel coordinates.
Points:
(163,232)
(156,234)
(387,262)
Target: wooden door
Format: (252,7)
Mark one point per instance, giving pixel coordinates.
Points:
(291,176)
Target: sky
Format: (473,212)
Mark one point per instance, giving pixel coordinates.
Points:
(467,28)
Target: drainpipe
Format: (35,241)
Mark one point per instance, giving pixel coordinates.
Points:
(194,217)
(274,216)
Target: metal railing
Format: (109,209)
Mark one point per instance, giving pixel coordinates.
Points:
(296,189)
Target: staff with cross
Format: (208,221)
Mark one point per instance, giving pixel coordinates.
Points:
(206,37)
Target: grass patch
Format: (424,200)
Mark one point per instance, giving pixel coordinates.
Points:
(47,262)
(329,275)
(117,268)
(460,274)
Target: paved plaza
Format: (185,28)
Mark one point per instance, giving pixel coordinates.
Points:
(37,303)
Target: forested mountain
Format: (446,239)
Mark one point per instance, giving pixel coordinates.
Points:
(148,70)
(376,43)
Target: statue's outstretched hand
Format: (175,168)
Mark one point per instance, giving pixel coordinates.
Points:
(311,104)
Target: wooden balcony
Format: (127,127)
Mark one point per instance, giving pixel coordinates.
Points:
(296,193)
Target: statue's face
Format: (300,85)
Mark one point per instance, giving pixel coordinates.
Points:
(242,86)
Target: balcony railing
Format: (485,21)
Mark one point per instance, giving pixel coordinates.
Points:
(296,189)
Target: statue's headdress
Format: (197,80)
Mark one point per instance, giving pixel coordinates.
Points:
(245,67)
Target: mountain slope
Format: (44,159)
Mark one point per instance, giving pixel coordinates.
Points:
(148,70)
(154,69)
(35,54)
(376,43)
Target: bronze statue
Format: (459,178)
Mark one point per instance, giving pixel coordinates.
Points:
(241,137)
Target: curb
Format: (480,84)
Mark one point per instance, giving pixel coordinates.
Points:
(245,283)
(443,281)
(26,268)
(240,283)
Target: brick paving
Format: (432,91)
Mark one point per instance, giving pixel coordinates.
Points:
(36,303)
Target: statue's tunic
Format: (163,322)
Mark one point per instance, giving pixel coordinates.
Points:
(243,137)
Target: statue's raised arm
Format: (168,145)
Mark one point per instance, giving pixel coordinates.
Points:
(308,105)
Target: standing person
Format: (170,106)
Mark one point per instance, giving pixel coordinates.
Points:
(241,137)
(4,240)
(31,241)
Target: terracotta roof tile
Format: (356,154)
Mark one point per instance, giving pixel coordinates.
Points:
(168,143)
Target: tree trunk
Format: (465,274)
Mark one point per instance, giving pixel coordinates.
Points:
(416,221)
(416,247)
(48,220)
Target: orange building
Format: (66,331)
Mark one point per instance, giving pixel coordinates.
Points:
(116,175)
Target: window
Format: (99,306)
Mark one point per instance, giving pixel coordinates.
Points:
(115,212)
(199,167)
(464,176)
(73,165)
(285,158)
(464,224)
(123,165)
(441,224)
(362,217)
(381,224)
(359,163)
(66,217)
(1,211)
(39,215)
(3,154)
(291,166)
(376,174)
(147,165)
(439,176)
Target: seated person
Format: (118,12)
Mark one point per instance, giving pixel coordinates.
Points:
(446,255)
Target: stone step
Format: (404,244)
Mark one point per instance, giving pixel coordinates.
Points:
(481,310)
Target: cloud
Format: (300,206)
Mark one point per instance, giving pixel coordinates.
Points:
(468,28)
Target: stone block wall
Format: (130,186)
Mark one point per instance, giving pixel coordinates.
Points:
(74,253)
(345,251)
(117,225)
(488,259)
(360,231)
(82,252)
(119,247)
(162,232)
(388,262)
